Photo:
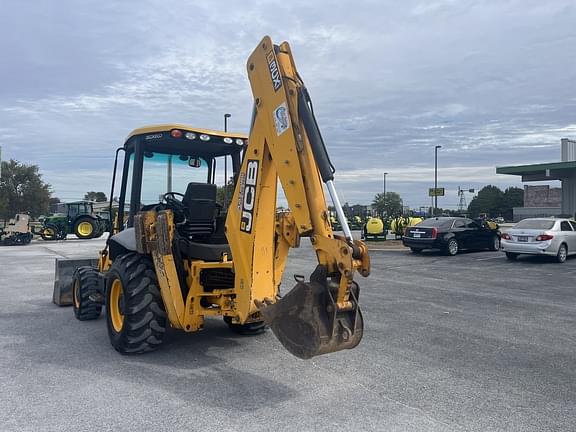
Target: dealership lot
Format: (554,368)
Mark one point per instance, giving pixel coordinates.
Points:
(471,342)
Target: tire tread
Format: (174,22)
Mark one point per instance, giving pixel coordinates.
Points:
(144,316)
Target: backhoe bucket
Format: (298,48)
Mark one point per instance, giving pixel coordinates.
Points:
(65,268)
(307,323)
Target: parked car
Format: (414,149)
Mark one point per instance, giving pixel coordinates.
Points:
(540,236)
(451,234)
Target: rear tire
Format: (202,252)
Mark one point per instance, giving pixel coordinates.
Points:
(100,229)
(85,283)
(495,245)
(247,329)
(416,250)
(511,256)
(85,228)
(452,247)
(562,254)
(135,313)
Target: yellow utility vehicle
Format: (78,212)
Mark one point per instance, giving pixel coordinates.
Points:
(179,257)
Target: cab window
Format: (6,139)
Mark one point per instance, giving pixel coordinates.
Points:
(164,173)
(565,226)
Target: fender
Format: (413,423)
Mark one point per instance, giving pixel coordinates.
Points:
(448,236)
(124,241)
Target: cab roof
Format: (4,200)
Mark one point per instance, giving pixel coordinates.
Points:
(185,128)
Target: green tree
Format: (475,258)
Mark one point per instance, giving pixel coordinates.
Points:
(95,196)
(391,206)
(22,190)
(224,194)
(359,210)
(513,197)
(489,200)
(347,210)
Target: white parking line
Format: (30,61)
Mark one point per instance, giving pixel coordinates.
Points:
(491,258)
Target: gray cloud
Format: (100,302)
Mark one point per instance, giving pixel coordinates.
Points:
(490,81)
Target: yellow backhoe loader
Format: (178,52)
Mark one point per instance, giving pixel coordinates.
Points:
(181,258)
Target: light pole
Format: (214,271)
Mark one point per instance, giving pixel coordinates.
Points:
(436,178)
(226,117)
(384,192)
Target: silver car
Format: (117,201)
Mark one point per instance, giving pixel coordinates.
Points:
(540,236)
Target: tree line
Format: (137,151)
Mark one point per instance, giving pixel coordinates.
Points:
(22,190)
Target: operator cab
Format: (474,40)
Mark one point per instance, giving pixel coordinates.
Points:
(188,170)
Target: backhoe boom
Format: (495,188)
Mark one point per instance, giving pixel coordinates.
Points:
(285,144)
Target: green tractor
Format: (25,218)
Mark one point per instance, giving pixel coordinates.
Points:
(76,218)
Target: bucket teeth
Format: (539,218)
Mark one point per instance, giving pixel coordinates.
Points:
(307,322)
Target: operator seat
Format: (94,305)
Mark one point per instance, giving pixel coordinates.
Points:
(201,240)
(200,203)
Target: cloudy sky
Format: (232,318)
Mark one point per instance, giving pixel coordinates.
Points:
(490,81)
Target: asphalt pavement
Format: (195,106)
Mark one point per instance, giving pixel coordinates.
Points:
(465,343)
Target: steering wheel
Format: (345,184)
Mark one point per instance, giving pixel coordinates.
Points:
(173,195)
(176,205)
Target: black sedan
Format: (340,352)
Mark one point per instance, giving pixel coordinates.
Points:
(450,234)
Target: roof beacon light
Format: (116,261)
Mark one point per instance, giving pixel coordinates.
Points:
(175,133)
(228,140)
(205,137)
(190,135)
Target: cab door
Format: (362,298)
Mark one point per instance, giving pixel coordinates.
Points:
(461,233)
(481,236)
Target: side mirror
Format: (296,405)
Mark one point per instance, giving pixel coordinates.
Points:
(194,162)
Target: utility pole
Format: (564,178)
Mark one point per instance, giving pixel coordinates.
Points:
(461,201)
(462,206)
(436,178)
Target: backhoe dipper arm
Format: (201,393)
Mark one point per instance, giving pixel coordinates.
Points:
(322,315)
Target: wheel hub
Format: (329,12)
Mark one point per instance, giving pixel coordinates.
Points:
(85,228)
(117,305)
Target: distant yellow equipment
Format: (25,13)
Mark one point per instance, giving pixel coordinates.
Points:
(374,230)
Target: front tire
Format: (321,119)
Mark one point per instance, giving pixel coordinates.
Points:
(452,247)
(416,250)
(135,313)
(49,232)
(85,283)
(562,254)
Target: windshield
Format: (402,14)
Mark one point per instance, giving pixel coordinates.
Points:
(436,222)
(540,224)
(169,173)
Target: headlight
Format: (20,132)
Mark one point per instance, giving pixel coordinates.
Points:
(205,137)
(190,135)
(228,140)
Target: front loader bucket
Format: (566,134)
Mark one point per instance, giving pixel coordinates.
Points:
(65,268)
(306,322)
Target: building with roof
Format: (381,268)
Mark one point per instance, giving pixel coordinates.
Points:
(563,171)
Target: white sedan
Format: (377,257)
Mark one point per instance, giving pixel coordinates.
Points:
(540,236)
